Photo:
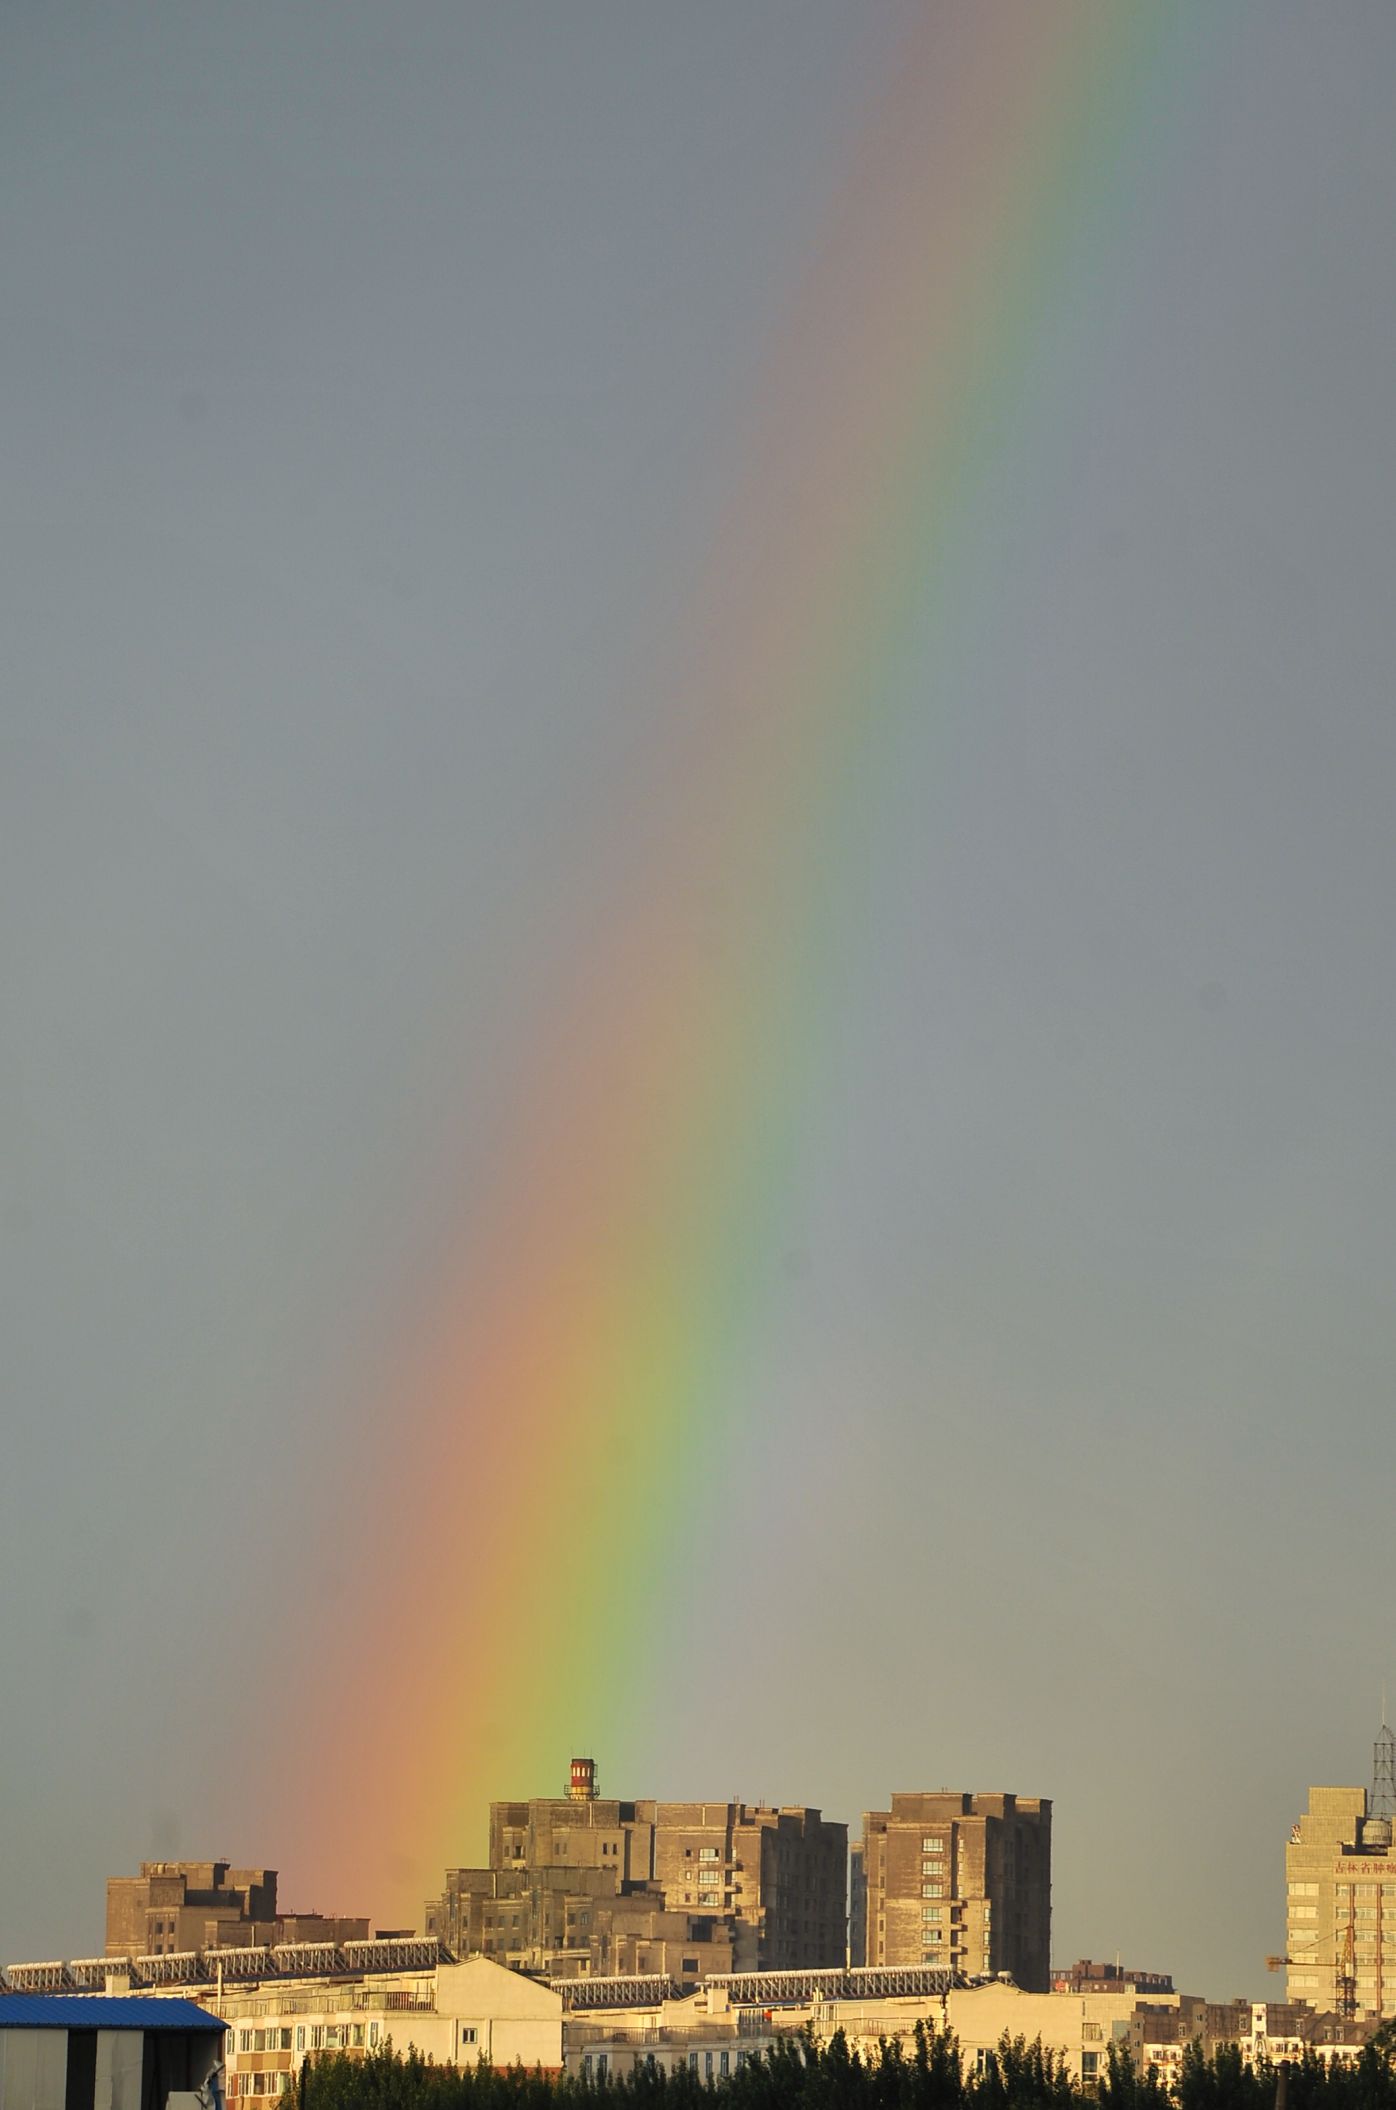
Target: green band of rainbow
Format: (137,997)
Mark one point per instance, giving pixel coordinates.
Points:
(592,1349)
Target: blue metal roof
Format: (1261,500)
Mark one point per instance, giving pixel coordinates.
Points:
(102,2011)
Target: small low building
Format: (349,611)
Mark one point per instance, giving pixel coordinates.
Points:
(94,2052)
(453,2014)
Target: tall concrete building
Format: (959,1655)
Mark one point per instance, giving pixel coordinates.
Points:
(961,1880)
(1340,1906)
(779,1875)
(579,1883)
(173,1907)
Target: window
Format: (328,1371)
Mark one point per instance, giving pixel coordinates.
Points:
(933,1846)
(933,1912)
(300,2036)
(722,2065)
(689,1966)
(709,1853)
(1090,2065)
(373,2033)
(470,2035)
(603,2060)
(358,2033)
(244,2040)
(933,1890)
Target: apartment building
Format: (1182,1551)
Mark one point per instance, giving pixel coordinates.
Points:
(780,1876)
(1084,1976)
(452,2014)
(173,1908)
(579,1884)
(963,1880)
(285,2007)
(570,1923)
(1340,1906)
(713,2034)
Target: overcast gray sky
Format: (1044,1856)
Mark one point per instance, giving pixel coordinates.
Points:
(375,380)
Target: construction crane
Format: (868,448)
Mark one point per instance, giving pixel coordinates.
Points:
(1344,1968)
(1371,1847)
(1345,1977)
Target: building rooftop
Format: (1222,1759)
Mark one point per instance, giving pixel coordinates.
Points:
(103,2011)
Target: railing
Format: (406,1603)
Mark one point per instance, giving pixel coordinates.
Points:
(639,1991)
(864,1982)
(183,1967)
(38,1978)
(232,1964)
(395,1955)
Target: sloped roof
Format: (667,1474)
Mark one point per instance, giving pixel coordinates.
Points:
(102,2011)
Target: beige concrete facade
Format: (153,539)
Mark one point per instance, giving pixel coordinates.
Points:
(780,1876)
(582,1885)
(963,1880)
(711,2036)
(567,1923)
(174,1908)
(454,2014)
(1340,1906)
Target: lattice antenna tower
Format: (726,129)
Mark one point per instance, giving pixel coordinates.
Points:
(1384,1769)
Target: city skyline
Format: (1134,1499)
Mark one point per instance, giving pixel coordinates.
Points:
(695,812)
(983,1847)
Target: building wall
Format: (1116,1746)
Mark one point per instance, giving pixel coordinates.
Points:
(857,1907)
(33,2069)
(552,1830)
(173,1906)
(455,2014)
(1340,1901)
(709,2037)
(767,1887)
(962,1880)
(86,2068)
(1088,1977)
(779,1875)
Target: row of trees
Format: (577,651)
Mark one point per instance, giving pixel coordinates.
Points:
(802,2075)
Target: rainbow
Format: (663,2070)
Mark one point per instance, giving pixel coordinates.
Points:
(589,1350)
